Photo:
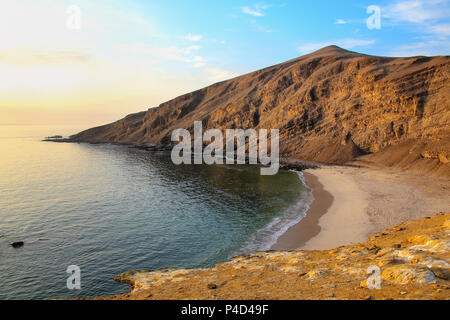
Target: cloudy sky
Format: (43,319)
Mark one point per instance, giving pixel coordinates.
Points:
(92,62)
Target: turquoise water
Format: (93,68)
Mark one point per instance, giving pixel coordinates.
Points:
(109,209)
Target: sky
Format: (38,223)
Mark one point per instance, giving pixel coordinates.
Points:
(93,62)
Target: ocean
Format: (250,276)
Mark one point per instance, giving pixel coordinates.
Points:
(109,209)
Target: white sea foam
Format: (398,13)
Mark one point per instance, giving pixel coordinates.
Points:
(265,238)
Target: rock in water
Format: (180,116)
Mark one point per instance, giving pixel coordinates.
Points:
(18,244)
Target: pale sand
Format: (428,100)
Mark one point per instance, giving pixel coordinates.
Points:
(346,221)
(364,201)
(297,235)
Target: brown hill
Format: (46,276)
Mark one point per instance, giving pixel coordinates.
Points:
(330,106)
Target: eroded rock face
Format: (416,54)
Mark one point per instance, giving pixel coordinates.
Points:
(413,259)
(408,274)
(330,106)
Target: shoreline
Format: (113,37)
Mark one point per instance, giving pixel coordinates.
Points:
(351,204)
(337,216)
(308,227)
(346,221)
(311,275)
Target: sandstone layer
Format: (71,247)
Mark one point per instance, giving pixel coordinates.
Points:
(330,106)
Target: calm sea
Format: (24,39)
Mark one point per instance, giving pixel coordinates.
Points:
(109,209)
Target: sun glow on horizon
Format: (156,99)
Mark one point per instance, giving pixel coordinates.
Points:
(50,73)
(126,56)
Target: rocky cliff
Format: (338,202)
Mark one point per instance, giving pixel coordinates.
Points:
(413,261)
(330,106)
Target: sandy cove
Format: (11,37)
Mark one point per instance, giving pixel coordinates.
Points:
(351,204)
(413,261)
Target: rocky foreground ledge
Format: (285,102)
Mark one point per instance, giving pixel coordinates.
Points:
(413,259)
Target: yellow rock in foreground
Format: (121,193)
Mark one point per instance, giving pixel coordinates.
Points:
(409,261)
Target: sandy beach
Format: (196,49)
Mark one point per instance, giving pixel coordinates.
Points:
(351,204)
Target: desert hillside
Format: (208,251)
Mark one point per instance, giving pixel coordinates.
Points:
(412,259)
(331,106)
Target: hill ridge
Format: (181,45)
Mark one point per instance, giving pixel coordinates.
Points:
(331,106)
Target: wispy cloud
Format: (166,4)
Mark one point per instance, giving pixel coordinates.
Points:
(428,19)
(426,16)
(416,11)
(256,10)
(260,27)
(344,43)
(441,29)
(31,56)
(198,62)
(340,21)
(193,37)
(182,54)
(218,74)
(423,48)
(264,29)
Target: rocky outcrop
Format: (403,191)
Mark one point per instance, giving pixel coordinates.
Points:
(412,259)
(330,106)
(18,244)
